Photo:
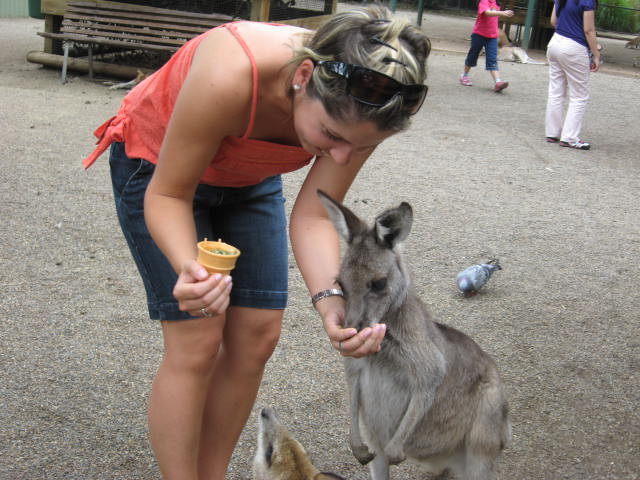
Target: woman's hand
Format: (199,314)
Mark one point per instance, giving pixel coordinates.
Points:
(202,294)
(507,13)
(348,341)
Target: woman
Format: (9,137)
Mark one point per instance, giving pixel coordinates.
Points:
(569,52)
(260,100)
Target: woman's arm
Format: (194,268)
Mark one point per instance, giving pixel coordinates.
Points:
(589,25)
(554,17)
(316,247)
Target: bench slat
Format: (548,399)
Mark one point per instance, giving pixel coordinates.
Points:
(105,41)
(115,17)
(132,39)
(99,21)
(132,32)
(130,10)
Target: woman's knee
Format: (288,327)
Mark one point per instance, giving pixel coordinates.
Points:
(252,335)
(193,345)
(268,335)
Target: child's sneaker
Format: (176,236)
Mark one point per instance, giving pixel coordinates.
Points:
(465,80)
(500,86)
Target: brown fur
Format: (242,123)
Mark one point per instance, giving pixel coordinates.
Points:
(633,43)
(279,456)
(503,40)
(130,84)
(508,52)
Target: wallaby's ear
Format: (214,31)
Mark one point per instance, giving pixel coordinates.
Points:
(394,225)
(327,476)
(347,224)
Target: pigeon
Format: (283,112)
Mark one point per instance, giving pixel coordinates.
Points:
(471,279)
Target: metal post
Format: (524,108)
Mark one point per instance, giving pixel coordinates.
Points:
(65,61)
(420,10)
(528,23)
(90,62)
(392,5)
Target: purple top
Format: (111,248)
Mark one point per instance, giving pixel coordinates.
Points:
(570,19)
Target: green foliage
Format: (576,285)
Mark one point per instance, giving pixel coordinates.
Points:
(619,15)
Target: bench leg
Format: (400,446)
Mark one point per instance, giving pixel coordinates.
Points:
(90,62)
(63,75)
(518,38)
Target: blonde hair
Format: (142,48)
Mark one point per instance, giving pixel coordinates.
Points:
(369,37)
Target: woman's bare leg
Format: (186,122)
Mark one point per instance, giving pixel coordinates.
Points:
(179,393)
(250,336)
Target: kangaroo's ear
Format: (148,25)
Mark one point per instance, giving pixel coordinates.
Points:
(347,224)
(394,225)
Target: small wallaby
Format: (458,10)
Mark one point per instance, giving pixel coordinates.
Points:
(431,394)
(503,39)
(279,456)
(130,84)
(508,52)
(633,43)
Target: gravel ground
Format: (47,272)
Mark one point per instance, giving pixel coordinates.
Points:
(77,352)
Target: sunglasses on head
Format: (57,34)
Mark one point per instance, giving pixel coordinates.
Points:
(374,88)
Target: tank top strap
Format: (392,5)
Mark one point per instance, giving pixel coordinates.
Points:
(254,76)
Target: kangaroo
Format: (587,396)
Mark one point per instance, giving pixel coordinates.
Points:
(508,52)
(130,84)
(279,456)
(431,394)
(633,43)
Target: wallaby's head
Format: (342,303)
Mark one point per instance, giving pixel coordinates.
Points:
(372,273)
(279,456)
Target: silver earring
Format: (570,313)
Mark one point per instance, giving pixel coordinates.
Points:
(296,87)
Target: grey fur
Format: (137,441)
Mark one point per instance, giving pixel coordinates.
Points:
(431,394)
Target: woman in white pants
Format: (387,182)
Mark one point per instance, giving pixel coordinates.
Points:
(572,53)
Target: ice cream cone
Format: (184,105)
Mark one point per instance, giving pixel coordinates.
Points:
(217,262)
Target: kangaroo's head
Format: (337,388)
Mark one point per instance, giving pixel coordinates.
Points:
(279,456)
(372,273)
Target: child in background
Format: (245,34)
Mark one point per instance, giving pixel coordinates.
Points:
(485,34)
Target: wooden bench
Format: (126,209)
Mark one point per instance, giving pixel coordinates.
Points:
(130,27)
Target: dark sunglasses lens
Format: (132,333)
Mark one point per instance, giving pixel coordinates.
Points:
(371,87)
(413,96)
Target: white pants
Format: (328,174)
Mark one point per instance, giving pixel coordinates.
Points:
(568,67)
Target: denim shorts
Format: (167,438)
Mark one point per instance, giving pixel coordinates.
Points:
(490,50)
(250,218)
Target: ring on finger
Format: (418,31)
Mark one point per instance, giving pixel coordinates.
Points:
(206,312)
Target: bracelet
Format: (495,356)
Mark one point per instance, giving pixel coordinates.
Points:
(326,293)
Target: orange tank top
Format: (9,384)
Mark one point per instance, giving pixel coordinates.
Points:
(143,117)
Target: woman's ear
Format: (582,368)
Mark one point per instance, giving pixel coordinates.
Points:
(303,73)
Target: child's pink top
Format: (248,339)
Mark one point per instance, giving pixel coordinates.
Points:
(143,117)
(485,25)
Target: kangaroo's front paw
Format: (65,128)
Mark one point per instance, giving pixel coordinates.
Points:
(394,455)
(362,453)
